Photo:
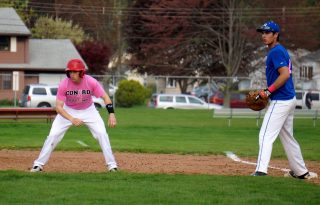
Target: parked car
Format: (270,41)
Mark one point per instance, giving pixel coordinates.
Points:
(112,90)
(179,101)
(205,91)
(301,99)
(42,95)
(237,100)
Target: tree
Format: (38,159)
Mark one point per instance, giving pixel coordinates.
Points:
(298,20)
(47,27)
(189,37)
(162,40)
(96,55)
(228,40)
(99,18)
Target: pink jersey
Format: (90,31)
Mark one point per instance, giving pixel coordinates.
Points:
(79,96)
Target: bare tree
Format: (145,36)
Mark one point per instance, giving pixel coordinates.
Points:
(228,40)
(189,37)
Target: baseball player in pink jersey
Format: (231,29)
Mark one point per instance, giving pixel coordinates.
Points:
(75,107)
(278,119)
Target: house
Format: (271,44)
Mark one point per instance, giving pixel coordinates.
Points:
(309,71)
(306,69)
(163,84)
(24,60)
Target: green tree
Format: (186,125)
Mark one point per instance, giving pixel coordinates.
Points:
(47,27)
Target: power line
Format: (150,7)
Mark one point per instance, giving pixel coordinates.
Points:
(178,9)
(179,12)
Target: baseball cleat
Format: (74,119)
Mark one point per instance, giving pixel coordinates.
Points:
(307,175)
(36,169)
(113,170)
(259,174)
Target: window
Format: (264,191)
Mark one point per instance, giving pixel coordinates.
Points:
(54,91)
(171,83)
(194,101)
(299,95)
(181,99)
(315,96)
(39,91)
(5,80)
(26,90)
(166,99)
(4,43)
(306,72)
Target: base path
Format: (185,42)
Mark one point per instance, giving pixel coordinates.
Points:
(67,161)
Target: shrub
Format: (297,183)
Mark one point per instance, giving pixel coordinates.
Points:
(131,93)
(7,102)
(152,88)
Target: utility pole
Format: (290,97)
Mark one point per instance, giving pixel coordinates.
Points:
(119,36)
(118,7)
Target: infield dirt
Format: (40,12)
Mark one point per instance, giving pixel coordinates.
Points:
(62,161)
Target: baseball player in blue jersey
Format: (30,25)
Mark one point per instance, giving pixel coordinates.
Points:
(278,119)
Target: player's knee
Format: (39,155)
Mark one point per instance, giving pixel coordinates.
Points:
(99,133)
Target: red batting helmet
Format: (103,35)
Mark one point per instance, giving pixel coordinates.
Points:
(75,65)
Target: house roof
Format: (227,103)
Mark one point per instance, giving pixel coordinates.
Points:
(47,55)
(314,56)
(11,24)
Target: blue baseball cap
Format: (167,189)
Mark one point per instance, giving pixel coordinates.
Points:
(269,26)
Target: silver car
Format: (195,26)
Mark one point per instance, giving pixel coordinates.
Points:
(41,95)
(180,101)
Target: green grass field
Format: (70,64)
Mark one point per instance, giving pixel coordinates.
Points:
(158,131)
(128,188)
(165,131)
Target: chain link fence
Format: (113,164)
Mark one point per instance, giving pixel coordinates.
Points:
(11,88)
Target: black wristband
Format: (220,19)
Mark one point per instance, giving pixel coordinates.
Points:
(110,108)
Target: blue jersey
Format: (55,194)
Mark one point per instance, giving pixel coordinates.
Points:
(278,57)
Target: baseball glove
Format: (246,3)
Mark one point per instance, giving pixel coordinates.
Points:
(255,102)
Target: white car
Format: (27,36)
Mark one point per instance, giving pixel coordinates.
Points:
(180,101)
(301,99)
(41,95)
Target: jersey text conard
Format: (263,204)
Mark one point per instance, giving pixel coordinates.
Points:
(77,92)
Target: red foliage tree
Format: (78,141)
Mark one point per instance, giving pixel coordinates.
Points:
(182,38)
(96,55)
(298,19)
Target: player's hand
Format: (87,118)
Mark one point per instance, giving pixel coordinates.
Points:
(112,122)
(264,94)
(77,122)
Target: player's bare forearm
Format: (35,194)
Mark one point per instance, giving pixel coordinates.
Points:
(112,121)
(283,77)
(106,99)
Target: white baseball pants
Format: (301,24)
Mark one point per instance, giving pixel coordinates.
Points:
(278,120)
(94,122)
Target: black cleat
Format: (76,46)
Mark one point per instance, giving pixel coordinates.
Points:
(307,175)
(36,169)
(259,174)
(113,170)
